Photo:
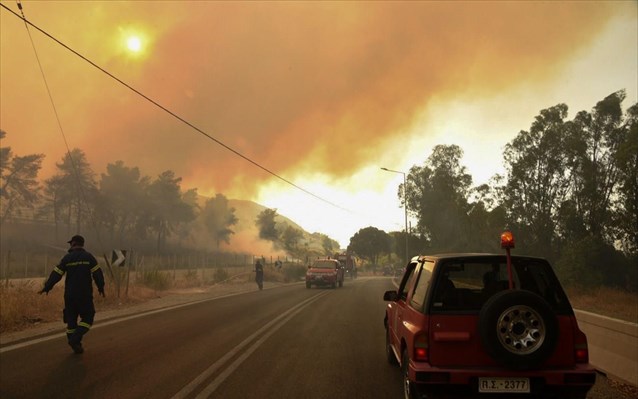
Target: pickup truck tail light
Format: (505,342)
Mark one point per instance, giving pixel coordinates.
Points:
(421,348)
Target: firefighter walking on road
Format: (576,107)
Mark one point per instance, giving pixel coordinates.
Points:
(259,274)
(79,266)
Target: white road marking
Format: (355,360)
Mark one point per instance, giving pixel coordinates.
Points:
(267,330)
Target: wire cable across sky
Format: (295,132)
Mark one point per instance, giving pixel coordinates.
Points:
(174,115)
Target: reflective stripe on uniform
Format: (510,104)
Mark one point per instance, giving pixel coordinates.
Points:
(83,324)
(70,331)
(58,271)
(96,268)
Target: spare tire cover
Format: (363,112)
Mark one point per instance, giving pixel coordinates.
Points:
(518,329)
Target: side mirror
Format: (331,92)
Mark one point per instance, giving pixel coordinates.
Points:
(390,296)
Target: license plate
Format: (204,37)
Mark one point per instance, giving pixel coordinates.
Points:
(504,385)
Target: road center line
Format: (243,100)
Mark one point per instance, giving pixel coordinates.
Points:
(284,317)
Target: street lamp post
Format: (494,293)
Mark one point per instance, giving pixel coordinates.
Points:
(405,207)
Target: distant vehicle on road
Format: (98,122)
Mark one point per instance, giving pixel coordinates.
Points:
(325,272)
(349,263)
(485,324)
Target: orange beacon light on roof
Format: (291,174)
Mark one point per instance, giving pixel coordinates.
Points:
(507,240)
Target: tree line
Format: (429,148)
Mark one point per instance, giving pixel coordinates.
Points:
(570,194)
(127,207)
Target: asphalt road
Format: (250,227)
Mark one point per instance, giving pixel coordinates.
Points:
(286,342)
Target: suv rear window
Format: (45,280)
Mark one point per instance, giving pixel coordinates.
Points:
(422,285)
(464,284)
(324,264)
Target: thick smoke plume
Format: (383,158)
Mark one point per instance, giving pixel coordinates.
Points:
(294,86)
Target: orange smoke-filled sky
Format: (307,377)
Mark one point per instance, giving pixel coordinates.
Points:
(321,93)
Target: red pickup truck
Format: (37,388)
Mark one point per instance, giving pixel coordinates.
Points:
(485,324)
(325,272)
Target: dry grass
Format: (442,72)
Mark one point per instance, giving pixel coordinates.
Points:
(21,307)
(605,301)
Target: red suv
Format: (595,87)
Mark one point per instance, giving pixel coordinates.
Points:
(325,272)
(488,325)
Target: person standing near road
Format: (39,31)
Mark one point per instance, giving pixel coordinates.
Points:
(259,274)
(79,266)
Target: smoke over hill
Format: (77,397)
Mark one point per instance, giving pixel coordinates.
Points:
(44,236)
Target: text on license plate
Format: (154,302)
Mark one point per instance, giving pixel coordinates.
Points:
(504,385)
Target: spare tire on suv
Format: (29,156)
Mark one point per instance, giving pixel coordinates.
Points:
(518,329)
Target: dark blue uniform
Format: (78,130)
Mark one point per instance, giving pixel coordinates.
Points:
(79,266)
(259,275)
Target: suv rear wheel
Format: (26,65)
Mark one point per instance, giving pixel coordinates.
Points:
(409,388)
(518,329)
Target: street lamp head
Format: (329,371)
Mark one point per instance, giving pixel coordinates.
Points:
(394,171)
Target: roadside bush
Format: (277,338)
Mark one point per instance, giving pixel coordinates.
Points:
(191,279)
(156,280)
(273,274)
(220,275)
(591,263)
(294,273)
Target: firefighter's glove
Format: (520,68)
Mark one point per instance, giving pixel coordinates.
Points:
(43,291)
(102,292)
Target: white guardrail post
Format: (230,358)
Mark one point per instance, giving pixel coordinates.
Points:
(613,345)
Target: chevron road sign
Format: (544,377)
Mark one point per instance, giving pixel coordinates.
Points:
(118,258)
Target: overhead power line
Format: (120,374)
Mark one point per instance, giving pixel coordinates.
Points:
(76,171)
(163,108)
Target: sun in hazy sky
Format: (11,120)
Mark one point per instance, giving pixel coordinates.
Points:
(134,44)
(134,41)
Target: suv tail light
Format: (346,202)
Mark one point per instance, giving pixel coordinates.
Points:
(421,348)
(581,351)
(581,354)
